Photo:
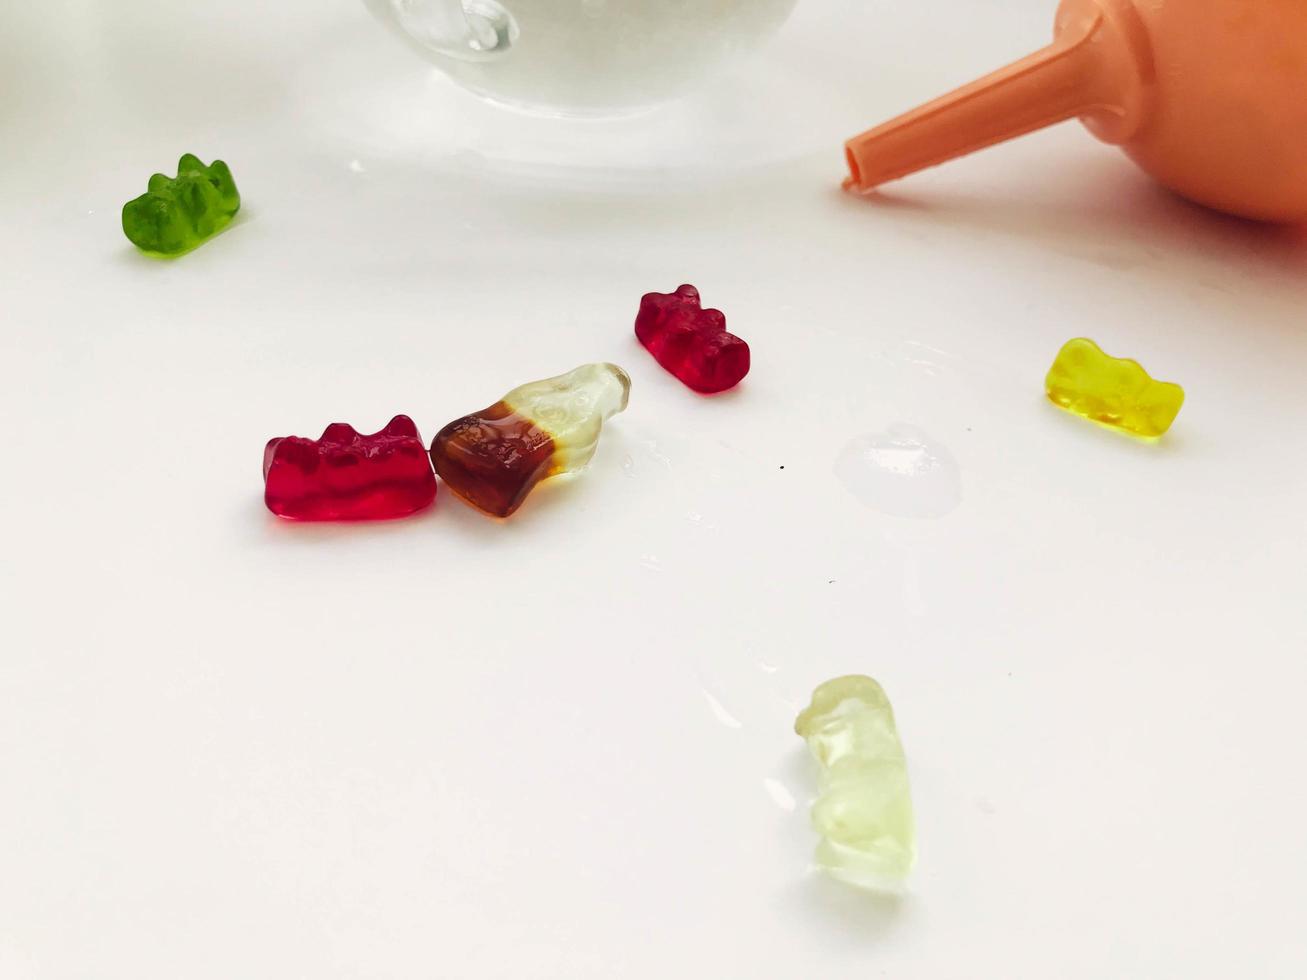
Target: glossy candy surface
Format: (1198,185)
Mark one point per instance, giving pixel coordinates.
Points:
(178,213)
(493,458)
(1115,391)
(864,810)
(691,342)
(346,476)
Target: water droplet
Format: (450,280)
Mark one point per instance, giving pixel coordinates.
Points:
(719,711)
(698,520)
(767,668)
(651,562)
(902,472)
(356,166)
(652,446)
(929,360)
(781,796)
(628,465)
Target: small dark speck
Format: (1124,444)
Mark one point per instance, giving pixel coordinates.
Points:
(830,581)
(782,467)
(968,428)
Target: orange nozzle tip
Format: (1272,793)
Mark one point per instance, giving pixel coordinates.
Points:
(853,182)
(1056,83)
(855,176)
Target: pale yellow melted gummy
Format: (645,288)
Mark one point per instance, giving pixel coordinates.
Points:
(864,810)
(573,408)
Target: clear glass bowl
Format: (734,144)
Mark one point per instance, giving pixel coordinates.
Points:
(581,57)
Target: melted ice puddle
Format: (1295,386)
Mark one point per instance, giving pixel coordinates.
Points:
(902,472)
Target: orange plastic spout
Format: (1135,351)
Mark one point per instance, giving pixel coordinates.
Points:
(1206,97)
(1067,79)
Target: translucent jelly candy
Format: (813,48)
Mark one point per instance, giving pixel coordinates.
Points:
(494,457)
(1115,391)
(178,213)
(864,812)
(345,476)
(691,342)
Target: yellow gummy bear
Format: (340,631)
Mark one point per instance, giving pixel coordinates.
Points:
(864,811)
(1115,391)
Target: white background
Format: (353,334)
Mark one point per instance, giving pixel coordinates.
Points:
(561,746)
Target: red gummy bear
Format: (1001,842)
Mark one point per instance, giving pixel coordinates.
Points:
(346,476)
(691,342)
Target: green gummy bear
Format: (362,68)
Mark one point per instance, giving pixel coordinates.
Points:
(180,213)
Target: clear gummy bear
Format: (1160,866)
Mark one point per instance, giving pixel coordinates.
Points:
(863,811)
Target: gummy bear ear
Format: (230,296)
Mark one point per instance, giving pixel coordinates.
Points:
(339,432)
(269,455)
(688,292)
(401,425)
(713,320)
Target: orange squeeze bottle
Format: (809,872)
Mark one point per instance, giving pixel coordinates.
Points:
(1208,96)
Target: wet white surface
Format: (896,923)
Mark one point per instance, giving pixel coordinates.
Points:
(562,746)
(902,472)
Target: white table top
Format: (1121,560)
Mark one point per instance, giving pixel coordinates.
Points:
(561,746)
